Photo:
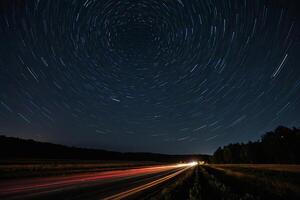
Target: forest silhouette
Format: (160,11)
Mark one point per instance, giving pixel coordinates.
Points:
(279,146)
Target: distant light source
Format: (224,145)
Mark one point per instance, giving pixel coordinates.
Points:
(201,162)
(193,163)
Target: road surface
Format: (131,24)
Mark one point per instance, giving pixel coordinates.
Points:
(108,185)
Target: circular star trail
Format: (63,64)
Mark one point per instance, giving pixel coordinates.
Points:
(171,76)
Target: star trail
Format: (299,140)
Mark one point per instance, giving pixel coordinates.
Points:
(169,76)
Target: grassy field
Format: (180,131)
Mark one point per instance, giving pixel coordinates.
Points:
(35,168)
(237,182)
(270,167)
(247,181)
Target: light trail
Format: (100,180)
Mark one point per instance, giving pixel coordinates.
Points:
(50,184)
(141,188)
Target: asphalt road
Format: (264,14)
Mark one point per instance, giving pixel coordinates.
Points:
(108,185)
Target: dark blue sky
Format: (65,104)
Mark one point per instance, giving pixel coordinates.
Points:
(169,76)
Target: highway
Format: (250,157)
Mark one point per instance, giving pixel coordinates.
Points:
(107,185)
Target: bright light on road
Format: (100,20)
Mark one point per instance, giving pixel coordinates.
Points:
(201,162)
(194,163)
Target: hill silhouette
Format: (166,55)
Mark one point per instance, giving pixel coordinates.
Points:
(16,148)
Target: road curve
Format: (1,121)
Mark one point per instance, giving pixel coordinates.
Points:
(108,185)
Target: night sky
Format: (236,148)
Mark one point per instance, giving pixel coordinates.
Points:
(169,76)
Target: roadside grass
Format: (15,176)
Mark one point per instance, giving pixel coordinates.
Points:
(288,174)
(262,182)
(275,167)
(208,187)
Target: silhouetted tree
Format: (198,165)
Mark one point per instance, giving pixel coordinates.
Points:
(279,146)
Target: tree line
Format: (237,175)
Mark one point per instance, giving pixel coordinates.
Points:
(279,146)
(12,148)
